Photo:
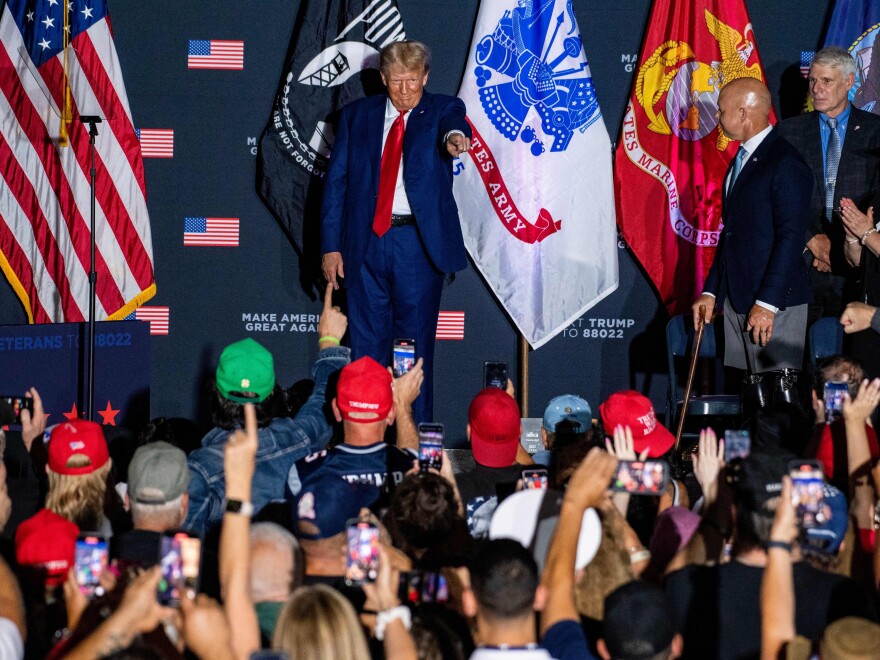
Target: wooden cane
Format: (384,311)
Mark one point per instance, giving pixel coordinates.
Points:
(695,354)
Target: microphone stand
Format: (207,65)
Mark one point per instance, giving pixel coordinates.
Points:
(92,121)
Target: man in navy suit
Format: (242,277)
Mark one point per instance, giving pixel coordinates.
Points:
(852,175)
(758,272)
(389,223)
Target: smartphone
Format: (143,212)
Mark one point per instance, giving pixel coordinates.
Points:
(835,390)
(649,477)
(12,406)
(362,556)
(426,587)
(535,479)
(90,561)
(180,559)
(404,356)
(430,446)
(807,494)
(737,444)
(495,375)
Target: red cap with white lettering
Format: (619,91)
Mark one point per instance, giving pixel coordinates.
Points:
(364,392)
(629,408)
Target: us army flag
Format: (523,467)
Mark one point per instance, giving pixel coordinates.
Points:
(672,156)
(535,190)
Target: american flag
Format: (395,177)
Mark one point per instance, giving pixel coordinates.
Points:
(450,325)
(156,142)
(214,54)
(806,61)
(210,231)
(155,315)
(45,205)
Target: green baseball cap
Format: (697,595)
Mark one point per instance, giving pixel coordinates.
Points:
(245,367)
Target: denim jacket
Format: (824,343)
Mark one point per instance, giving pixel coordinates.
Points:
(281,444)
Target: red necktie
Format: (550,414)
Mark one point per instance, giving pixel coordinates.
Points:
(388,175)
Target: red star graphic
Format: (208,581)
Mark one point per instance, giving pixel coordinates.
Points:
(73,414)
(109,415)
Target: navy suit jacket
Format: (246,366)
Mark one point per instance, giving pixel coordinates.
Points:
(857,172)
(765,216)
(352,183)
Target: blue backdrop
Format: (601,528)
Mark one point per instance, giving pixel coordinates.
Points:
(216,294)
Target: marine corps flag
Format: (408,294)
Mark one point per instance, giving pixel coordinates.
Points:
(333,58)
(672,155)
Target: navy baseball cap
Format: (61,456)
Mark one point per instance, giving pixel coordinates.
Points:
(326,503)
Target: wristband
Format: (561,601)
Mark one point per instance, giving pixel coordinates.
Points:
(328,338)
(782,545)
(852,241)
(639,555)
(384,618)
(245,509)
(864,237)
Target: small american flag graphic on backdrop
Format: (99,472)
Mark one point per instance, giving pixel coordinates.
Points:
(806,61)
(156,142)
(218,232)
(158,318)
(450,325)
(215,54)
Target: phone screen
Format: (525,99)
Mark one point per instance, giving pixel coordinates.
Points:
(362,558)
(495,375)
(535,479)
(90,562)
(180,560)
(404,357)
(737,444)
(807,493)
(430,446)
(11,407)
(641,477)
(426,587)
(834,395)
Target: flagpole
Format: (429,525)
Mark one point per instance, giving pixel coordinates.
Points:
(524,376)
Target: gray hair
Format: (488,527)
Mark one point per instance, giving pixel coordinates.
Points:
(169,515)
(271,580)
(837,58)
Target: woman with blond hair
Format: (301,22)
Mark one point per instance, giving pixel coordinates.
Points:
(318,623)
(77,468)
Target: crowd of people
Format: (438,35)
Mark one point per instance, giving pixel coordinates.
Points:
(304,523)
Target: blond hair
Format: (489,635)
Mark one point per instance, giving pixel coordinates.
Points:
(80,497)
(408,55)
(318,623)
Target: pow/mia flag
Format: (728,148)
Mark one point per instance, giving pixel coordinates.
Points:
(332,59)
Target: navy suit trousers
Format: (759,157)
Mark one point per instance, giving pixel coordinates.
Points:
(397,295)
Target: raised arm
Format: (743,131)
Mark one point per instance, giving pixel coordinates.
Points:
(238,468)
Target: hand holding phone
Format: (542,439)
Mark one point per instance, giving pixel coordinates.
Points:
(835,392)
(737,444)
(649,477)
(181,558)
(362,552)
(403,357)
(11,408)
(90,561)
(807,493)
(430,447)
(495,374)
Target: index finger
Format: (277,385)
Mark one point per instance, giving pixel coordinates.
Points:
(250,420)
(328,296)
